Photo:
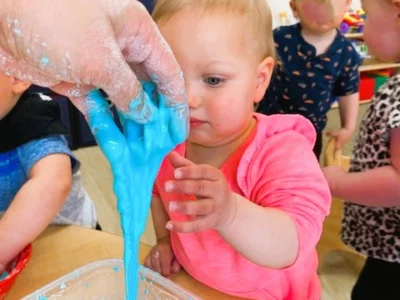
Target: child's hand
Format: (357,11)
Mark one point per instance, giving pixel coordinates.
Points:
(161,259)
(342,137)
(215,206)
(333,175)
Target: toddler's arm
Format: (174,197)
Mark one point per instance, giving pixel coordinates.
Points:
(35,205)
(160,218)
(265,236)
(348,106)
(378,187)
(292,201)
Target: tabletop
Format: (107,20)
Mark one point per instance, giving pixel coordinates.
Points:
(62,249)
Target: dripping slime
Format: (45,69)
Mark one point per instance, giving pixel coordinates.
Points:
(135,156)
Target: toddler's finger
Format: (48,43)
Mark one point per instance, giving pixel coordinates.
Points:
(147,262)
(198,225)
(165,263)
(199,188)
(155,261)
(194,208)
(176,266)
(198,172)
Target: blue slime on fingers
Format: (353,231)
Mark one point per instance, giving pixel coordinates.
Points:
(135,156)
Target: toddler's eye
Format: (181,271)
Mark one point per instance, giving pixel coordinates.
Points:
(213,81)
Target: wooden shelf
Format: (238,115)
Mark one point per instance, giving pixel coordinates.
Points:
(353,36)
(373,64)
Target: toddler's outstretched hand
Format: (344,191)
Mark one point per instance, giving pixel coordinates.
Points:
(161,259)
(215,205)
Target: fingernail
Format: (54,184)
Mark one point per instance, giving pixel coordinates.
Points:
(169,226)
(173,206)
(178,174)
(169,186)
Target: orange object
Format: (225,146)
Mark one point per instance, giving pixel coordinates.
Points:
(14,269)
(367,88)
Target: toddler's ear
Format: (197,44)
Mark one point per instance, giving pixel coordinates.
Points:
(20,86)
(294,9)
(264,73)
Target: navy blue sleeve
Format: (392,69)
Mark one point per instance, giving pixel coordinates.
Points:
(348,82)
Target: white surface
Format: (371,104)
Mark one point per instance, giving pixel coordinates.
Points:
(279,6)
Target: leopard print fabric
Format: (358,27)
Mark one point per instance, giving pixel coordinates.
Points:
(375,232)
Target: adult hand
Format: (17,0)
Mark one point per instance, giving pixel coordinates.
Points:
(73,46)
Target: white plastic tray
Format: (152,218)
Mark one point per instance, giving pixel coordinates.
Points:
(104,280)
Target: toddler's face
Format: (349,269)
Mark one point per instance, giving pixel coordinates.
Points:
(382,28)
(224,76)
(320,16)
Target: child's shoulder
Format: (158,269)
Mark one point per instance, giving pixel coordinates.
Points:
(286,34)
(273,125)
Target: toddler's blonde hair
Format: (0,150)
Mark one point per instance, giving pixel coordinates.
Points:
(256,15)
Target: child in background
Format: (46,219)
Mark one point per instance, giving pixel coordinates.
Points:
(318,65)
(39,177)
(371,222)
(240,205)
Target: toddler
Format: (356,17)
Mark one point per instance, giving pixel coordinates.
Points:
(318,65)
(371,222)
(39,177)
(240,204)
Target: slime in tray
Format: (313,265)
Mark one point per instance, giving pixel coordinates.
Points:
(135,157)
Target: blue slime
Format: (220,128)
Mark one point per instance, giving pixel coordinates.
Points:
(135,156)
(4,275)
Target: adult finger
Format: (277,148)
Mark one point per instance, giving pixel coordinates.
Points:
(108,136)
(142,43)
(193,208)
(113,74)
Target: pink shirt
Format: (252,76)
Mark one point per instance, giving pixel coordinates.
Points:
(275,167)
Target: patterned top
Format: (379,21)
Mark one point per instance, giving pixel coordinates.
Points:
(306,83)
(375,232)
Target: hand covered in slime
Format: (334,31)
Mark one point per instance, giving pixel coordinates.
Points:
(73,46)
(135,157)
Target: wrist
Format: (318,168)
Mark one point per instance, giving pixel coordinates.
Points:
(164,239)
(349,128)
(231,214)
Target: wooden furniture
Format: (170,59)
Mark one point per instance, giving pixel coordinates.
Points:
(60,250)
